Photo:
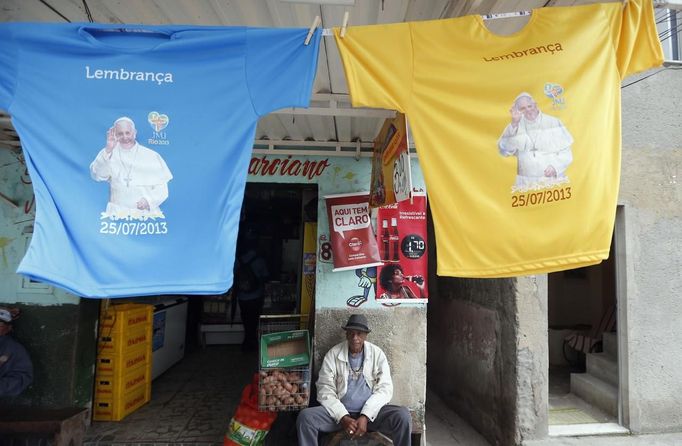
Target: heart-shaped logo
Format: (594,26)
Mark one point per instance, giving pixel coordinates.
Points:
(553,91)
(158,121)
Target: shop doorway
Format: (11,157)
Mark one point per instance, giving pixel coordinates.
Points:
(199,367)
(584,396)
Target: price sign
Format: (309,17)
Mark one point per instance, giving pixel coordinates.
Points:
(413,246)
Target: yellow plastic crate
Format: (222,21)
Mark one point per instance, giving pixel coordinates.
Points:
(116,409)
(115,387)
(124,317)
(119,343)
(111,364)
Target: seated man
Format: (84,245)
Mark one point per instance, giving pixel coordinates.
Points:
(354,388)
(16,369)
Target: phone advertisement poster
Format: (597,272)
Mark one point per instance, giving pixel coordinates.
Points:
(350,229)
(391,172)
(402,245)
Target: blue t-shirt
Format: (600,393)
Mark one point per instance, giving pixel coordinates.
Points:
(137,139)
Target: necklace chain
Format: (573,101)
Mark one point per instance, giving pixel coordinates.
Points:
(535,127)
(356,373)
(127,169)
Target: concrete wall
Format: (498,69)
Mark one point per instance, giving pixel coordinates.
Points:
(471,352)
(651,283)
(487,354)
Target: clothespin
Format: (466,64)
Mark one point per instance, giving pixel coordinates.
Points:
(312,29)
(345,25)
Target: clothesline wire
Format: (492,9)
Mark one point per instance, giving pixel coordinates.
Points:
(648,76)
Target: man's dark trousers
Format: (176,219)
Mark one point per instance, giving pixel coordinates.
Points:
(392,421)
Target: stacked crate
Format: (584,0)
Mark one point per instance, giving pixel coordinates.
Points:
(124,361)
(284,373)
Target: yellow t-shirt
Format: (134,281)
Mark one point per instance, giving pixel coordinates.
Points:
(518,136)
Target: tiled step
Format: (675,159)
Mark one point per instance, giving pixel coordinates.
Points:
(604,367)
(610,344)
(596,392)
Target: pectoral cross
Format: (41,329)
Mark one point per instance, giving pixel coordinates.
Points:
(127,180)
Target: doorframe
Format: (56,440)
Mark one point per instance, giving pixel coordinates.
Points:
(621,266)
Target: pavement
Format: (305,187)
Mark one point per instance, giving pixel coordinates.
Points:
(672,439)
(446,428)
(193,402)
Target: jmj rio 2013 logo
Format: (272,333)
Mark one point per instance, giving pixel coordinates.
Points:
(158,122)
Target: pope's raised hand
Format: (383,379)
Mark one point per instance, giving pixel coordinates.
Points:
(515,115)
(111,141)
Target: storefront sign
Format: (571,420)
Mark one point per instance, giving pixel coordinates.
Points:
(287,167)
(391,178)
(353,242)
(402,244)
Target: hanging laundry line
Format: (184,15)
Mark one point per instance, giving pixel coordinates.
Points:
(326,32)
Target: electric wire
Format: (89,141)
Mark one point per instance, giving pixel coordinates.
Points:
(648,76)
(54,10)
(87,11)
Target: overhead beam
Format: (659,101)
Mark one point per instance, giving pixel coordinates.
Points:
(335,111)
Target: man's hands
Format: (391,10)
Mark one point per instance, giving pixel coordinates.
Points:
(142,204)
(354,428)
(550,171)
(361,424)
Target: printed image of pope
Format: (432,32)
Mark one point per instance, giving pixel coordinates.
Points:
(541,143)
(138,176)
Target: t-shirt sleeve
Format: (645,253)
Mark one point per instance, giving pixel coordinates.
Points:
(634,36)
(377,60)
(280,68)
(8,60)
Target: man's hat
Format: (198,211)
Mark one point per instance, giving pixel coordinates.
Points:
(5,315)
(357,322)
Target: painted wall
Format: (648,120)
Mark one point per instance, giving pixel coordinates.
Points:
(56,321)
(56,328)
(651,287)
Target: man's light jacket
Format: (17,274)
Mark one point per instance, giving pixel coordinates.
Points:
(332,382)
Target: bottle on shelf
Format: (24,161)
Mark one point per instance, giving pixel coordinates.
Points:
(385,236)
(395,238)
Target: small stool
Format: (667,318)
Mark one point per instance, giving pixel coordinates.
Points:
(341,438)
(58,427)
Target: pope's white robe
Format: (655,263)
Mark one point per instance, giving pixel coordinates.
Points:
(538,144)
(132,174)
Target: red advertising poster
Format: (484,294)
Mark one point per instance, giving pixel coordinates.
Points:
(402,244)
(350,229)
(391,175)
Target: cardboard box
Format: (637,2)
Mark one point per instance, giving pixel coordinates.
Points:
(285,349)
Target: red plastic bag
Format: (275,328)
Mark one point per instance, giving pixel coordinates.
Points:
(249,426)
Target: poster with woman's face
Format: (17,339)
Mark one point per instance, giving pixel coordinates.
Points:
(401,237)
